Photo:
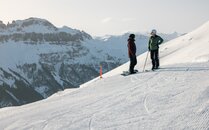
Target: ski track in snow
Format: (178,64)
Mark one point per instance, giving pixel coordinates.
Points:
(145,105)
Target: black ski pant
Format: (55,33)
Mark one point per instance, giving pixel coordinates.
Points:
(133,62)
(155,58)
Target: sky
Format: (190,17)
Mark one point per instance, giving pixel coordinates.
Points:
(113,17)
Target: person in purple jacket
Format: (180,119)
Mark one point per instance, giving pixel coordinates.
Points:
(132,53)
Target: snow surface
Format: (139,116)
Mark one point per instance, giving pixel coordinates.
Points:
(25,53)
(68,30)
(174,97)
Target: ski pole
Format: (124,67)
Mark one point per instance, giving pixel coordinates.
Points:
(145,61)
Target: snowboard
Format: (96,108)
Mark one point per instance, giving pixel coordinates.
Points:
(126,73)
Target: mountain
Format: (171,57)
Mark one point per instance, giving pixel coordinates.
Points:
(173,97)
(38,59)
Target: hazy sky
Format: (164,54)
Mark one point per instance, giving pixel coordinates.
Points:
(100,17)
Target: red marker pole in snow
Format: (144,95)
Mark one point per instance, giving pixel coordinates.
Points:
(100,71)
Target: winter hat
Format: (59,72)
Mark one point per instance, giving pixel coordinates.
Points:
(154,31)
(132,36)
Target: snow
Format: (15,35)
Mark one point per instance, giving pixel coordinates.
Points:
(58,79)
(189,47)
(9,80)
(174,97)
(68,30)
(24,53)
(38,29)
(123,103)
(42,90)
(203,58)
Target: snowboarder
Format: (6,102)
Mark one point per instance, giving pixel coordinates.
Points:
(153,47)
(132,53)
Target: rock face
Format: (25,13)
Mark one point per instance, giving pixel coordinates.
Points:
(38,59)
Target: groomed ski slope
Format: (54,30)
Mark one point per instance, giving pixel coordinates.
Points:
(175,97)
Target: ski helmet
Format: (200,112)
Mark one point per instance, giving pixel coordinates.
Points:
(154,31)
(132,36)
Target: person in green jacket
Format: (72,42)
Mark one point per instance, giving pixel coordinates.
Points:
(153,47)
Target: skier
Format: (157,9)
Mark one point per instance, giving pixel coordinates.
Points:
(132,53)
(153,47)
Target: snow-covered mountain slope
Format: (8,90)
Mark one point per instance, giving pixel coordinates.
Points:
(189,48)
(39,59)
(174,97)
(192,47)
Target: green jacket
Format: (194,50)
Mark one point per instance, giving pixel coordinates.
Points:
(154,42)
